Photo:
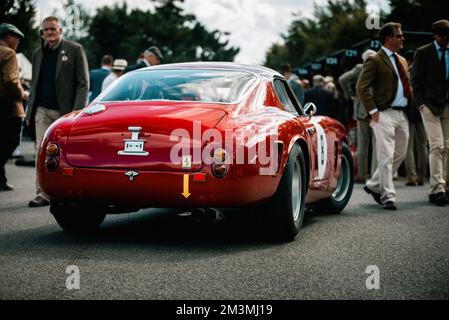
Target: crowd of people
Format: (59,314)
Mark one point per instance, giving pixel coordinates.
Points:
(401,104)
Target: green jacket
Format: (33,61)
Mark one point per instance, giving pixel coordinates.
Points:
(72,78)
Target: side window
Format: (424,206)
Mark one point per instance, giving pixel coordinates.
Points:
(286,97)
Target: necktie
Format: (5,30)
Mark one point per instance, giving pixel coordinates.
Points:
(404,79)
(443,62)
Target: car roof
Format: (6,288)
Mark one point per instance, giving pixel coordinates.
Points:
(258,70)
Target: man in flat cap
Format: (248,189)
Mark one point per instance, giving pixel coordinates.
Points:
(430,80)
(151,57)
(60,84)
(11,97)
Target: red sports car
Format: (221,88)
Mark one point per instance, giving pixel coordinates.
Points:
(196,135)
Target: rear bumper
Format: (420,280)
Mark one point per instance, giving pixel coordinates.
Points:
(155,188)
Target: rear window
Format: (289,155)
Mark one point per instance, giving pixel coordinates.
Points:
(180,85)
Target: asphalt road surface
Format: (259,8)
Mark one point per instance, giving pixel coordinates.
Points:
(156,254)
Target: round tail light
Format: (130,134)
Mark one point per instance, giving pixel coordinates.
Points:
(52,150)
(219,170)
(220,155)
(51,164)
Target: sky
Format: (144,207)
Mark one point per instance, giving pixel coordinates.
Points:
(254,25)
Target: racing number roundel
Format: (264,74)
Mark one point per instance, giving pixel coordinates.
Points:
(321,149)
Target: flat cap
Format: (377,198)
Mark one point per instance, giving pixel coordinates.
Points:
(9,28)
(440,25)
(155,50)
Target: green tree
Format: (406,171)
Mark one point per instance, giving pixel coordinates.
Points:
(336,25)
(21,13)
(125,33)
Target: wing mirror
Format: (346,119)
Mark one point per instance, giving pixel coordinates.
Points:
(310,109)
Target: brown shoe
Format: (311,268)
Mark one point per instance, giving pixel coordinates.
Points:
(38,202)
(411,182)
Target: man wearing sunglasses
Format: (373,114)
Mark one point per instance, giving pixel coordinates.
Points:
(430,80)
(385,92)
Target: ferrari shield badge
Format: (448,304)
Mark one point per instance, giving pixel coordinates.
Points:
(134,146)
(186,162)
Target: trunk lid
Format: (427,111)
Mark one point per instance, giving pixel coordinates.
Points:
(111,138)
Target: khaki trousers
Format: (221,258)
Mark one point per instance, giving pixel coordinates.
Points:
(44,118)
(437,129)
(392,133)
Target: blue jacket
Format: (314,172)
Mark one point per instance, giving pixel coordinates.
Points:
(96,80)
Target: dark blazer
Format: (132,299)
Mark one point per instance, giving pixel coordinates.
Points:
(96,77)
(72,78)
(136,66)
(429,86)
(378,82)
(325,102)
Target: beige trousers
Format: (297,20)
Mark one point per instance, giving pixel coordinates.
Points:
(44,118)
(437,129)
(392,134)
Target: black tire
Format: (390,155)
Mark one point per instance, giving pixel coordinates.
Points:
(286,209)
(340,198)
(77,219)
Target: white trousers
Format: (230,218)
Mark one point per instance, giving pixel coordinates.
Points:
(392,134)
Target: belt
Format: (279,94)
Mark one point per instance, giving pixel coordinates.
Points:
(398,108)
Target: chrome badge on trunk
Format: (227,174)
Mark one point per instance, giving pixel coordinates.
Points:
(134,146)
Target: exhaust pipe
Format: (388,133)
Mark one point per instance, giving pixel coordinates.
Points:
(211,215)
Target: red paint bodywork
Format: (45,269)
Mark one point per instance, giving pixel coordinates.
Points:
(89,145)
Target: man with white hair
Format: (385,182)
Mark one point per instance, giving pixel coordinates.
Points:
(348,82)
(330,86)
(60,84)
(151,57)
